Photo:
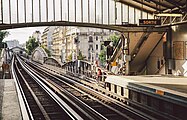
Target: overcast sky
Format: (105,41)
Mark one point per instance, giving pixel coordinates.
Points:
(22,34)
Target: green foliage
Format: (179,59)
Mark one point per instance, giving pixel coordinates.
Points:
(31,44)
(47,51)
(70,57)
(81,56)
(114,38)
(102,56)
(3,45)
(3,34)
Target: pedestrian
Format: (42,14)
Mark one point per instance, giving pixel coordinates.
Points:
(99,75)
(107,65)
(3,68)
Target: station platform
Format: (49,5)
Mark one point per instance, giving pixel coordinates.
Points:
(172,88)
(160,93)
(9,104)
(162,86)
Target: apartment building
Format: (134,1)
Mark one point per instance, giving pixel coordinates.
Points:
(58,42)
(46,37)
(37,36)
(66,41)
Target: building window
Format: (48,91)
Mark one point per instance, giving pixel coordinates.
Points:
(109,86)
(90,48)
(90,39)
(122,91)
(96,55)
(96,47)
(96,37)
(89,56)
(115,88)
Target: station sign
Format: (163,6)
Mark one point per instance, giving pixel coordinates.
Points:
(113,63)
(149,22)
(160,92)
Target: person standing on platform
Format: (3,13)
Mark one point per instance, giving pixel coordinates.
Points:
(99,75)
(107,65)
(3,67)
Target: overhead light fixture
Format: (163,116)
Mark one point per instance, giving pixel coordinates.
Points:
(169,14)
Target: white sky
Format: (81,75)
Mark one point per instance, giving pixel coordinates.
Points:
(22,34)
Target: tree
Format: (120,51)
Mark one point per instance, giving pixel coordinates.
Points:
(114,38)
(70,57)
(31,44)
(102,56)
(3,34)
(81,56)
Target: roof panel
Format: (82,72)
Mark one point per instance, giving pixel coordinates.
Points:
(154,6)
(137,5)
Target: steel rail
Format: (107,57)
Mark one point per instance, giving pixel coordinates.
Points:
(108,107)
(121,101)
(46,116)
(71,113)
(59,90)
(128,108)
(23,103)
(148,109)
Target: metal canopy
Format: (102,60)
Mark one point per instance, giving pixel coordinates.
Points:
(106,14)
(158,6)
(102,26)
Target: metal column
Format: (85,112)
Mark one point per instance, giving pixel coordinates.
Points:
(2,11)
(128,57)
(168,52)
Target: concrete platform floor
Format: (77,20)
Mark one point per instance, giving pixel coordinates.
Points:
(10,109)
(1,96)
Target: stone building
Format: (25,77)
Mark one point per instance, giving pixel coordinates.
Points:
(46,37)
(67,41)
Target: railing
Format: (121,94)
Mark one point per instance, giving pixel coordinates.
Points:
(85,69)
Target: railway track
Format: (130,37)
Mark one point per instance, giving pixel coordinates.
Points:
(41,102)
(93,100)
(86,113)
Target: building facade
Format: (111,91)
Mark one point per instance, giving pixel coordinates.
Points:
(95,39)
(46,38)
(58,43)
(67,42)
(12,43)
(37,36)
